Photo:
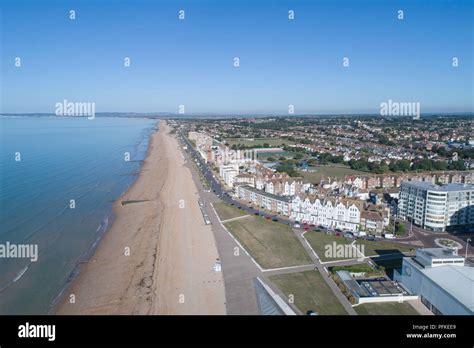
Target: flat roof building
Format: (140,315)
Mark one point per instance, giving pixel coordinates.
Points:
(441,279)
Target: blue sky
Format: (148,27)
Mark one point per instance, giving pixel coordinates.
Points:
(283,62)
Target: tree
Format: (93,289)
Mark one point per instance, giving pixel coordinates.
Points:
(399,228)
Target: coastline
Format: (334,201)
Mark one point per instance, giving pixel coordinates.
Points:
(143,263)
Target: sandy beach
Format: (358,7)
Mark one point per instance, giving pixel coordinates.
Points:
(158,256)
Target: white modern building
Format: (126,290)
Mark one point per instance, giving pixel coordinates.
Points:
(440,278)
(437,207)
(228,173)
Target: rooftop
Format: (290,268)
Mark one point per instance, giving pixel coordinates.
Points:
(456,280)
(441,188)
(266,194)
(439,253)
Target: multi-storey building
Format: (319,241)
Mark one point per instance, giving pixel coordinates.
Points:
(339,213)
(276,204)
(437,207)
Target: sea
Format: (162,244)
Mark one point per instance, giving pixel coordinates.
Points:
(58,179)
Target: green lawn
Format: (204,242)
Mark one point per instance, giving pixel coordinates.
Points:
(387,308)
(372,248)
(357,268)
(271,244)
(314,176)
(319,240)
(275,155)
(226,211)
(310,292)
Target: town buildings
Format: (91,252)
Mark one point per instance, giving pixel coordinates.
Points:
(276,204)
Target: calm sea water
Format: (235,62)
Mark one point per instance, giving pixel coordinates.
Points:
(62,159)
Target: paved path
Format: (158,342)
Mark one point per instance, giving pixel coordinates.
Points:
(239,270)
(236,218)
(317,264)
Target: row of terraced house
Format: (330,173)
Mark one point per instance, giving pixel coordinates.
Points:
(332,212)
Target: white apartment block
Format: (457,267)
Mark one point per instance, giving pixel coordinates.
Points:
(276,204)
(437,207)
(343,214)
(228,172)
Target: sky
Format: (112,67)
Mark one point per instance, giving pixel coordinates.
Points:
(283,62)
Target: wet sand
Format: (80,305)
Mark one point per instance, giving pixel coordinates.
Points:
(158,255)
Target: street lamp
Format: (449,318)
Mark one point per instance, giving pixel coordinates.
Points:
(467,246)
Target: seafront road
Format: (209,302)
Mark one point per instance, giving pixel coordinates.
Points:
(239,269)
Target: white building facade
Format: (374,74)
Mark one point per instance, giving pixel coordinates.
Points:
(327,213)
(437,207)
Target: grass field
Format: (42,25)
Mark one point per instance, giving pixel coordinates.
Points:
(372,248)
(314,176)
(271,244)
(318,241)
(358,268)
(310,292)
(226,211)
(273,142)
(387,308)
(275,155)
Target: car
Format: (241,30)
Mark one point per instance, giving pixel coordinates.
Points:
(349,235)
(370,237)
(296,226)
(338,234)
(275,219)
(257,214)
(306,228)
(267,217)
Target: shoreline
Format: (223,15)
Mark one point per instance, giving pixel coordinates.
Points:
(141,255)
(88,254)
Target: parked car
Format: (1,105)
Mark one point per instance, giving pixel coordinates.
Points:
(296,226)
(349,235)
